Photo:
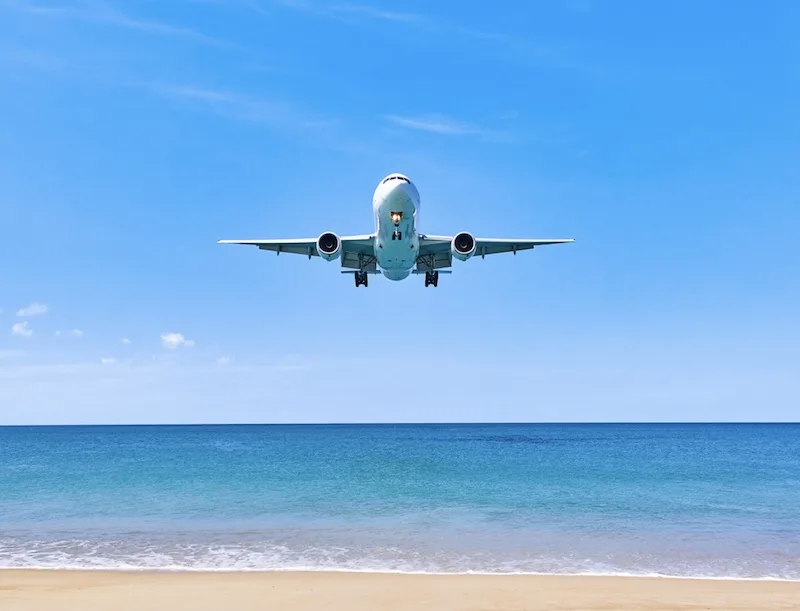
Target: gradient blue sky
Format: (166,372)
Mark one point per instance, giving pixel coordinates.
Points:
(662,136)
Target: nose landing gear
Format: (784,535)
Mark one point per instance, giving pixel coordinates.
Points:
(432,278)
(396,218)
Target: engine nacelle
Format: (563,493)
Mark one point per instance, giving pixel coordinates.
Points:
(463,246)
(329,246)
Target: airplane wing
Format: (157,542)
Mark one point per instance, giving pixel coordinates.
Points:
(357,251)
(434,250)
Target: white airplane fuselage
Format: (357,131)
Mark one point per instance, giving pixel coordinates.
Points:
(395,205)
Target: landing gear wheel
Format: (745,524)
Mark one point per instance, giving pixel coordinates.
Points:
(432,278)
(361,278)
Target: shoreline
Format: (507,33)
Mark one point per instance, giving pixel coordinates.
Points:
(122,589)
(334,571)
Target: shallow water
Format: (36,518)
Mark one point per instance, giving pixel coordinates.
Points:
(718,500)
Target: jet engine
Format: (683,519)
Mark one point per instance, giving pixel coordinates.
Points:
(463,246)
(329,246)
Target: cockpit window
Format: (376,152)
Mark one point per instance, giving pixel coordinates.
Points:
(403,178)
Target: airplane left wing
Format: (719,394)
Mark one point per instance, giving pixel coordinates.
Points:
(302,246)
(357,250)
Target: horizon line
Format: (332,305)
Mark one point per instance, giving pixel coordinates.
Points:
(443,423)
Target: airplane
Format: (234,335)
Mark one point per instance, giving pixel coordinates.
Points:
(396,249)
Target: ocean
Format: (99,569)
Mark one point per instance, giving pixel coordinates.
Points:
(683,500)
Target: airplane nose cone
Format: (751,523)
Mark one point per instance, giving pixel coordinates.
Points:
(396,190)
(400,191)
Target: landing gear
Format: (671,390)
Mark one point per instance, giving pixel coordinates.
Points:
(432,278)
(396,218)
(361,278)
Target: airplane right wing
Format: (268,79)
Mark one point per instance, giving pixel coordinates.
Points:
(435,250)
(302,246)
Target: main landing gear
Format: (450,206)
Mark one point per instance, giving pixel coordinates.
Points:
(432,278)
(361,278)
(397,235)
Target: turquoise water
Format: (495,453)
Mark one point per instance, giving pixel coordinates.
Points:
(718,500)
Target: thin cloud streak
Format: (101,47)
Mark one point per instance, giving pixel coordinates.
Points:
(523,49)
(240,106)
(445,126)
(345,10)
(282,115)
(437,124)
(376,13)
(519,49)
(102,12)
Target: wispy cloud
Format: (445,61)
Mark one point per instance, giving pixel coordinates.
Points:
(108,361)
(125,341)
(105,13)
(516,48)
(71,333)
(371,12)
(223,360)
(529,51)
(448,126)
(35,309)
(35,8)
(172,340)
(350,10)
(21,329)
(240,106)
(438,124)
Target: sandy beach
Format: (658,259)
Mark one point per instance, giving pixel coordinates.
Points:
(24,590)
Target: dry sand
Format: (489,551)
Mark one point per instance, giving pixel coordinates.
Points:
(22,590)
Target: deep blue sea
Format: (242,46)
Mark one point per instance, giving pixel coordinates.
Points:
(717,500)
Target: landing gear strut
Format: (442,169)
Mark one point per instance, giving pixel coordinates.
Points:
(361,278)
(432,278)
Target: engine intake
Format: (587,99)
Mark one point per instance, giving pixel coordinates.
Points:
(329,246)
(463,246)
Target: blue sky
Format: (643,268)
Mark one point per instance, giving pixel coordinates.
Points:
(662,136)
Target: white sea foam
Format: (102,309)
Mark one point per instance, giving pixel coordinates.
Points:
(123,556)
